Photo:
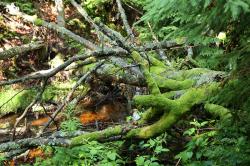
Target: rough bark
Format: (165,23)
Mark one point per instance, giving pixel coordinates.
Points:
(60,12)
(20,50)
(53,71)
(125,20)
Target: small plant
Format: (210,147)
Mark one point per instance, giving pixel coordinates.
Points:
(2,159)
(146,161)
(199,140)
(91,153)
(155,147)
(70,125)
(156,144)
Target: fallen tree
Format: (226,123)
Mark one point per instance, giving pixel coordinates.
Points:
(172,92)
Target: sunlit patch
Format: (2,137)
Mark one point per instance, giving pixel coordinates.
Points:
(34,153)
(88,117)
(108,112)
(40,122)
(12,9)
(104,114)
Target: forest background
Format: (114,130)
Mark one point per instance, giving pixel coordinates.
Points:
(111,82)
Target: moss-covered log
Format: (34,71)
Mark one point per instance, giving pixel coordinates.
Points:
(173,109)
(218,111)
(152,85)
(98,135)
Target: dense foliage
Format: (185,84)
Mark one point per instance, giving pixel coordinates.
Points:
(219,33)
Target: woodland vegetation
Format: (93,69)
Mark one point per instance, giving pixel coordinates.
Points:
(119,82)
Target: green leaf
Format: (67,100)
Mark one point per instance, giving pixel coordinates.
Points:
(152,143)
(112,156)
(189,132)
(140,161)
(185,155)
(93,151)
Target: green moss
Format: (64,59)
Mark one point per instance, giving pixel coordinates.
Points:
(76,22)
(57,60)
(166,121)
(157,69)
(173,109)
(145,70)
(184,74)
(194,72)
(25,97)
(137,57)
(154,101)
(218,111)
(170,84)
(156,62)
(20,101)
(38,22)
(148,115)
(173,94)
(98,135)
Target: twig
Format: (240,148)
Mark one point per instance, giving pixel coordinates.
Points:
(53,120)
(86,62)
(124,20)
(37,98)
(158,45)
(16,154)
(57,28)
(90,21)
(70,34)
(114,35)
(108,33)
(31,142)
(160,51)
(190,52)
(11,98)
(51,72)
(178,162)
(69,96)
(131,7)
(60,12)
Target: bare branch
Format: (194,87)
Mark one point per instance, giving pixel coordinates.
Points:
(60,12)
(38,97)
(160,51)
(89,19)
(70,34)
(31,142)
(158,45)
(109,34)
(121,41)
(10,53)
(124,19)
(55,27)
(52,72)
(70,94)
